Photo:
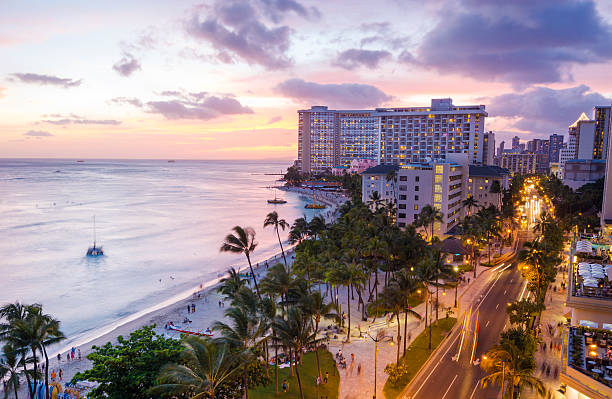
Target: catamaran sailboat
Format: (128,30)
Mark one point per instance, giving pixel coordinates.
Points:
(276,200)
(95,251)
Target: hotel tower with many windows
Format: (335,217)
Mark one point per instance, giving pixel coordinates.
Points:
(398,136)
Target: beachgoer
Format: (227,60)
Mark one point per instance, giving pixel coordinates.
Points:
(61,374)
(285,386)
(326,378)
(188,308)
(59,358)
(319,380)
(67,357)
(79,351)
(53,375)
(193,308)
(72,356)
(359,369)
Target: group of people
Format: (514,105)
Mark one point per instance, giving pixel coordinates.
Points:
(70,355)
(342,363)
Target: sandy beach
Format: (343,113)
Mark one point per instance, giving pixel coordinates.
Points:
(207,305)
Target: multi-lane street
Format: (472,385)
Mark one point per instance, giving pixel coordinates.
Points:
(454,372)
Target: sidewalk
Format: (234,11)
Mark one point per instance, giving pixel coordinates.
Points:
(551,333)
(355,385)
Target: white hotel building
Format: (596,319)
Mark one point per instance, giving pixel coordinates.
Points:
(399,136)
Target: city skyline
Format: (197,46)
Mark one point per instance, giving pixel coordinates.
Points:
(224,80)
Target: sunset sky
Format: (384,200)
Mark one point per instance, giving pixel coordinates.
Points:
(223,79)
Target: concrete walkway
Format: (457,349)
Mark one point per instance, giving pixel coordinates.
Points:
(358,382)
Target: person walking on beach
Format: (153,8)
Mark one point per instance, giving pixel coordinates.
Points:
(59,358)
(193,308)
(61,374)
(79,351)
(285,386)
(188,309)
(71,355)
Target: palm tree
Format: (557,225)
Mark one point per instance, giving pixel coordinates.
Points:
(393,299)
(348,275)
(299,230)
(426,273)
(469,203)
(207,365)
(242,334)
(505,363)
(273,220)
(428,217)
(316,226)
(314,305)
(242,242)
(375,200)
(489,222)
(535,256)
(278,282)
(231,284)
(10,369)
(408,283)
(10,313)
(295,332)
(471,232)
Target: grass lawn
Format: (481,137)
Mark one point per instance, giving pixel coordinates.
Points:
(417,354)
(415,299)
(308,375)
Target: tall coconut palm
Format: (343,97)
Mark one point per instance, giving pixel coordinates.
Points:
(314,306)
(278,282)
(505,364)
(426,273)
(207,365)
(393,299)
(408,283)
(10,369)
(10,313)
(273,220)
(299,230)
(469,203)
(534,255)
(243,241)
(348,275)
(375,201)
(295,332)
(243,333)
(231,284)
(316,226)
(428,217)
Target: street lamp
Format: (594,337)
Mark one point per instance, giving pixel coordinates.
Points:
(456,269)
(380,335)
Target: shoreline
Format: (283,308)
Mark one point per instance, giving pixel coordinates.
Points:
(172,308)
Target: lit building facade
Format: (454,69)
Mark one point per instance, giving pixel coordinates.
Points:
(522,164)
(483,183)
(554,146)
(399,136)
(378,179)
(488,148)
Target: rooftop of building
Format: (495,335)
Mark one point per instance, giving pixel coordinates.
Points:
(438,105)
(602,161)
(488,171)
(381,169)
(589,351)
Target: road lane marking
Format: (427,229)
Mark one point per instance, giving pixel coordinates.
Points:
(475,337)
(436,366)
(449,387)
(492,285)
(523,292)
(486,325)
(496,306)
(474,390)
(505,292)
(505,267)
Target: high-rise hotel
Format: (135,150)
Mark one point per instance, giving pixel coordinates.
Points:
(399,136)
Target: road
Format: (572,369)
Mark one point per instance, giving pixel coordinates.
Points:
(454,372)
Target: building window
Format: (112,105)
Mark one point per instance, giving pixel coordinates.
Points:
(401,224)
(402,216)
(402,197)
(403,178)
(416,188)
(416,197)
(403,188)
(402,206)
(416,207)
(416,215)
(416,178)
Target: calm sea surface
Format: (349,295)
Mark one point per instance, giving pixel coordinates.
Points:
(156,220)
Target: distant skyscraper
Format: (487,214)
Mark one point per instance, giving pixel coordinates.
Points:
(328,138)
(488,148)
(500,150)
(516,143)
(601,114)
(555,143)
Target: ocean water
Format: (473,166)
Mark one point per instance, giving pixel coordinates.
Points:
(161,225)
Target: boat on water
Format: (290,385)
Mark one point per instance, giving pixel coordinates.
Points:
(171,161)
(95,251)
(314,204)
(276,200)
(80,161)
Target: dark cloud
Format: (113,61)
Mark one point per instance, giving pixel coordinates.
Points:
(542,110)
(248,30)
(521,42)
(335,95)
(127,65)
(127,100)
(45,79)
(201,106)
(37,134)
(71,121)
(354,58)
